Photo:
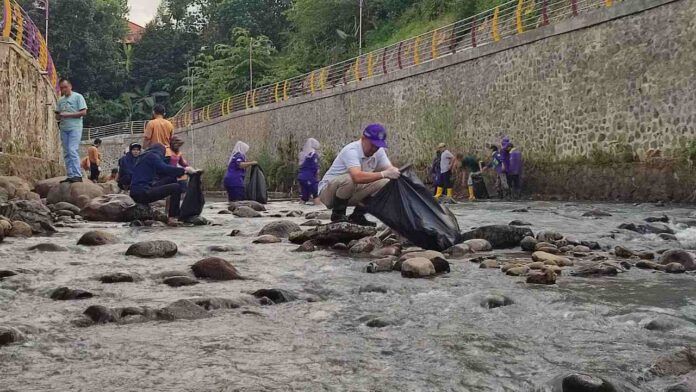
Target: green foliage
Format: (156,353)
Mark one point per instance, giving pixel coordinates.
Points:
(690,151)
(281,166)
(212,178)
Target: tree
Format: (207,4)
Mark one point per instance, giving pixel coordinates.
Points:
(141,101)
(225,70)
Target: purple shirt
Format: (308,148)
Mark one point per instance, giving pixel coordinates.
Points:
(515,165)
(505,159)
(235,173)
(309,168)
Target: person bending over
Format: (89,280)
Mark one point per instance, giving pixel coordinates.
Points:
(309,171)
(236,171)
(359,171)
(149,166)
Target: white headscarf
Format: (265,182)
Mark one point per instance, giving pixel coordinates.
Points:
(310,147)
(241,148)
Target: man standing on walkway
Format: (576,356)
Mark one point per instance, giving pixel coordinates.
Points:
(359,171)
(159,129)
(70,110)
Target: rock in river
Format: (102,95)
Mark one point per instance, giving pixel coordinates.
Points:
(280,229)
(20,229)
(31,212)
(599,269)
(9,335)
(675,364)
(182,309)
(215,268)
(478,245)
(78,193)
(267,239)
(495,301)
(365,245)
(179,281)
(117,277)
(153,249)
(332,233)
(278,296)
(586,383)
(547,277)
(459,250)
(499,236)
(67,294)
(254,205)
(417,267)
(552,259)
(48,247)
(96,238)
(528,244)
(108,208)
(246,212)
(307,246)
(679,256)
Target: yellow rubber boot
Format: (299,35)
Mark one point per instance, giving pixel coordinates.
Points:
(472,197)
(450,193)
(438,192)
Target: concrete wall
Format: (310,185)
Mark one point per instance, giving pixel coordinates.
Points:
(615,82)
(28,133)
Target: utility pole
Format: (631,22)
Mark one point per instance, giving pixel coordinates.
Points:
(46,37)
(251,65)
(360,29)
(189,71)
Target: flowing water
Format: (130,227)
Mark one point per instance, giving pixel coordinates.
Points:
(437,335)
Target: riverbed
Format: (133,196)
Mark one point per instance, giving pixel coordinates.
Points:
(433,334)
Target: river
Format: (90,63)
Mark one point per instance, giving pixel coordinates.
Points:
(434,334)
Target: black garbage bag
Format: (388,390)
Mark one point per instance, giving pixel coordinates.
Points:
(256,189)
(408,208)
(194,199)
(480,190)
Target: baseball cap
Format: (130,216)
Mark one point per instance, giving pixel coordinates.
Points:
(441,145)
(377,135)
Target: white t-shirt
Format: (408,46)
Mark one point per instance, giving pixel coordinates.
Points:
(446,161)
(353,155)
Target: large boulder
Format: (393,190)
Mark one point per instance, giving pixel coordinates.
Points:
(20,229)
(478,245)
(499,236)
(675,364)
(31,212)
(215,268)
(9,335)
(333,233)
(14,187)
(679,256)
(108,208)
(44,186)
(417,267)
(254,205)
(280,229)
(152,249)
(109,187)
(78,193)
(96,238)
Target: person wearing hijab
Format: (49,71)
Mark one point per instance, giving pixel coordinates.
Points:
(309,171)
(126,165)
(150,166)
(236,170)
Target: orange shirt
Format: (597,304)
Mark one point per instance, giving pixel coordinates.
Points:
(94,155)
(159,130)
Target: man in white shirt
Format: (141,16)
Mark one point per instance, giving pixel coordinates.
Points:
(359,171)
(445,180)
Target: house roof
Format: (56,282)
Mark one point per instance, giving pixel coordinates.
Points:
(135,33)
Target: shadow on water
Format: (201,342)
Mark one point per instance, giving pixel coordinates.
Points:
(430,334)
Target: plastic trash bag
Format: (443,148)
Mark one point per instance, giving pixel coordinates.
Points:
(480,190)
(257,189)
(194,199)
(408,208)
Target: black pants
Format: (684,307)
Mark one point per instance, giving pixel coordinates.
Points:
(514,183)
(93,172)
(446,181)
(161,192)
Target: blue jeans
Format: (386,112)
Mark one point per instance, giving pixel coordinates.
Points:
(71,154)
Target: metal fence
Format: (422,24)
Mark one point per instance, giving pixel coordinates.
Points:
(124,128)
(18,27)
(506,20)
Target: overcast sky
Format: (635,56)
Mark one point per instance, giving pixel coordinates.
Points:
(142,11)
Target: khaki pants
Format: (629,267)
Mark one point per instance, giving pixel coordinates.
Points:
(344,188)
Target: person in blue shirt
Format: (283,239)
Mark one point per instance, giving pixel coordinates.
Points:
(236,171)
(70,110)
(309,171)
(149,166)
(126,165)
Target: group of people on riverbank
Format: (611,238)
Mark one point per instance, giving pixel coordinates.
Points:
(156,169)
(505,160)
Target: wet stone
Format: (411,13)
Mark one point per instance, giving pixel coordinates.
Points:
(234,233)
(180,281)
(339,246)
(312,223)
(594,245)
(652,219)
(332,233)
(96,238)
(220,249)
(499,236)
(224,212)
(280,229)
(153,249)
(675,364)
(10,335)
(182,309)
(586,383)
(365,245)
(254,205)
(517,222)
(377,323)
(596,213)
(496,301)
(547,277)
(48,247)
(458,251)
(215,268)
(417,267)
(661,324)
(67,294)
(278,296)
(489,264)
(478,245)
(100,314)
(518,271)
(679,256)
(20,229)
(382,265)
(65,206)
(372,288)
(246,212)
(600,269)
(674,268)
(267,239)
(307,246)
(528,243)
(6,274)
(118,277)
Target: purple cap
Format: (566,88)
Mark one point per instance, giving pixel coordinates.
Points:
(505,142)
(377,135)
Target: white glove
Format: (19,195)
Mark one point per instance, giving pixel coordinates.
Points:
(392,173)
(189,170)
